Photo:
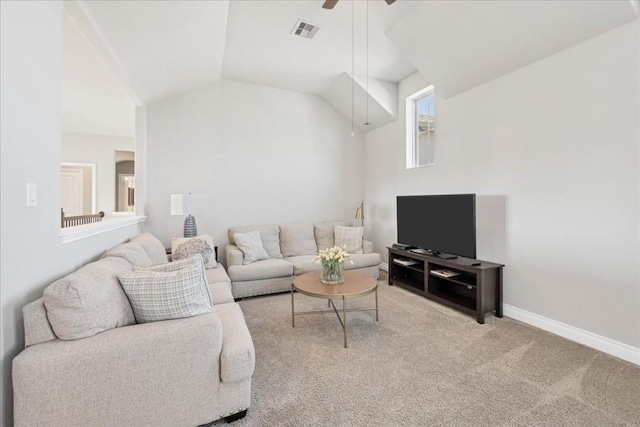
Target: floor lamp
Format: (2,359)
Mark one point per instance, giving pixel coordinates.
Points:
(360,213)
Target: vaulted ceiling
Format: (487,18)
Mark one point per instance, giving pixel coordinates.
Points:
(157,49)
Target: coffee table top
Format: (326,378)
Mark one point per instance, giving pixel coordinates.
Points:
(355,284)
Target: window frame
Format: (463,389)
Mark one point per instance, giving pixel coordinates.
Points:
(413,132)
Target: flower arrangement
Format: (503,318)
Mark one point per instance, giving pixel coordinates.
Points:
(332,260)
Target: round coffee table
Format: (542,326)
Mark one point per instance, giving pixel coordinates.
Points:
(355,285)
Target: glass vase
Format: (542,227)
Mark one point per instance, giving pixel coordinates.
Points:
(332,274)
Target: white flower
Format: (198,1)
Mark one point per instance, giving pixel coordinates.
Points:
(335,254)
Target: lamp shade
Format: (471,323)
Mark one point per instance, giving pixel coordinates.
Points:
(182,204)
(194,203)
(176,204)
(360,211)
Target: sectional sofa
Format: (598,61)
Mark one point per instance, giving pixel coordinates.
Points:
(292,249)
(87,362)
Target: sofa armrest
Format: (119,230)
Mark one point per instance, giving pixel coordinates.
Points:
(238,358)
(233,255)
(367,247)
(132,368)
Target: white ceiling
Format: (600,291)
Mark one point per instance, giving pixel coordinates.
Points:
(260,48)
(162,48)
(465,44)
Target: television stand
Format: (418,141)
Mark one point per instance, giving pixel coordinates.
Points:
(457,283)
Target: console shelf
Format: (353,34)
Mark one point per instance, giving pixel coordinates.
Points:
(474,290)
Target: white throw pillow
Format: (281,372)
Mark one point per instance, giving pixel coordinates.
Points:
(185,247)
(349,237)
(269,234)
(251,246)
(89,300)
(163,295)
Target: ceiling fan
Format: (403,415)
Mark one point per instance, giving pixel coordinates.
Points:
(330,4)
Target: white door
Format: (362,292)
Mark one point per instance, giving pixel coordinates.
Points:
(127,185)
(71,191)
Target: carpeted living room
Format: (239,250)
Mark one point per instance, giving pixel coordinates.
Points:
(320,212)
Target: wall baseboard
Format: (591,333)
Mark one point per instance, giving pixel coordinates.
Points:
(606,345)
(581,336)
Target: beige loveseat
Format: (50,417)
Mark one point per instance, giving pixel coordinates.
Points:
(183,372)
(292,249)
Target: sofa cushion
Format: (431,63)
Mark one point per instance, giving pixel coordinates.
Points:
(152,246)
(297,239)
(251,246)
(89,300)
(37,328)
(304,264)
(165,295)
(323,232)
(182,248)
(217,275)
(362,261)
(133,253)
(219,285)
(265,269)
(349,238)
(270,235)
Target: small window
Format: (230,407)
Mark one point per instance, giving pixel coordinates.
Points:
(421,128)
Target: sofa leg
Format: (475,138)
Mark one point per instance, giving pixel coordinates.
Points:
(236,416)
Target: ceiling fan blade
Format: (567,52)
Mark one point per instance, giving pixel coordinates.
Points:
(330,4)
(389,2)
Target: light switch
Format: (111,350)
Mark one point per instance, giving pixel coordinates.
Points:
(32,194)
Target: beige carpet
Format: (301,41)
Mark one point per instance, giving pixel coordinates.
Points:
(424,364)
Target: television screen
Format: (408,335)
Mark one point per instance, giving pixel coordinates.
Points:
(440,223)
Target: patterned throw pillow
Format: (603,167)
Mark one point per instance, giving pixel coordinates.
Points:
(349,237)
(167,267)
(269,234)
(251,246)
(182,248)
(165,295)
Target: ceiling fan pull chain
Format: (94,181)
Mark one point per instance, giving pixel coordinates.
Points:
(366,123)
(353,77)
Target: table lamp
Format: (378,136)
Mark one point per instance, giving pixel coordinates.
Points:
(191,204)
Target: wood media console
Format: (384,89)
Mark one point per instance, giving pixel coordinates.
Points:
(472,289)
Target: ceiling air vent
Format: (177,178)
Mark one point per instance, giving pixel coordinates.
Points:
(304,29)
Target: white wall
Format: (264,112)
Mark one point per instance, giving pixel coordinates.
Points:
(557,143)
(31,255)
(262,155)
(101,150)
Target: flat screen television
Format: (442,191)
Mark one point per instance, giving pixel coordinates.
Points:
(442,224)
